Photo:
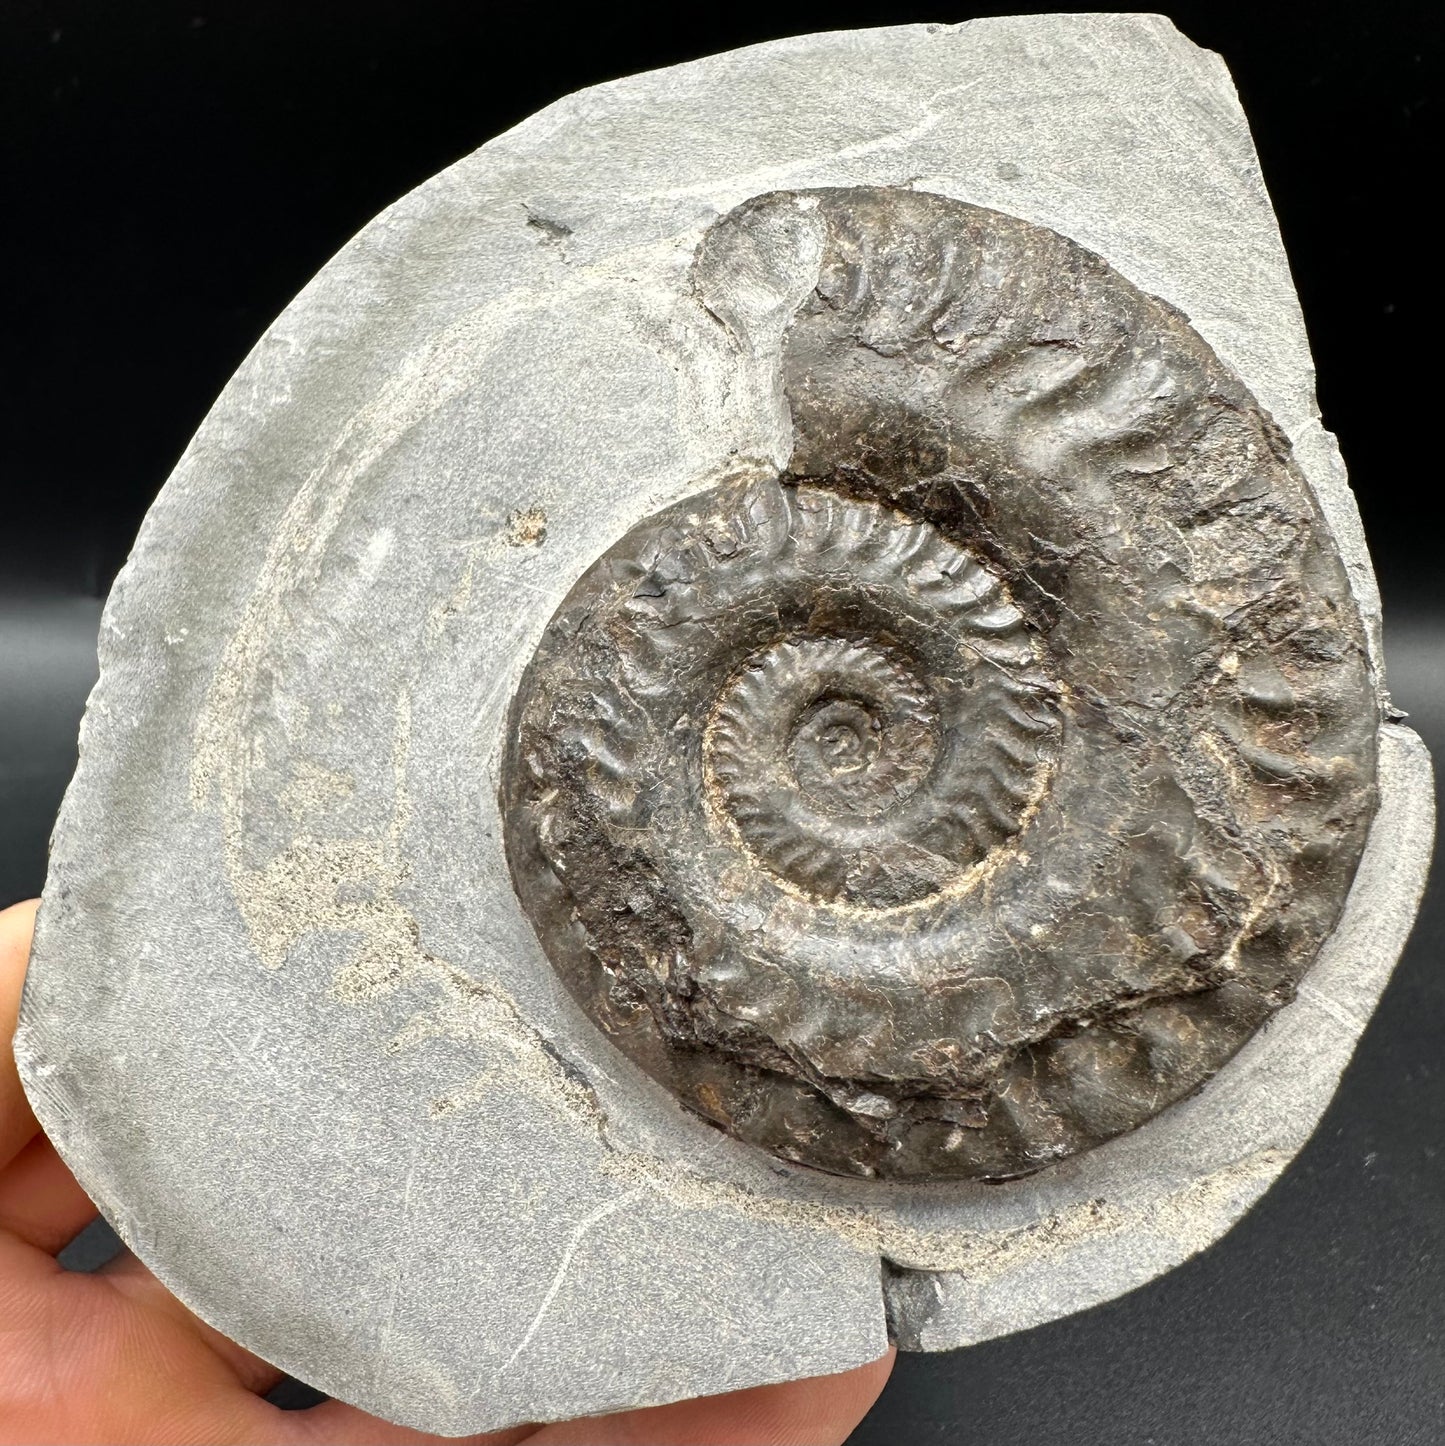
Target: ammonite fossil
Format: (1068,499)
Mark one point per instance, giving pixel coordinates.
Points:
(969,793)
(710,771)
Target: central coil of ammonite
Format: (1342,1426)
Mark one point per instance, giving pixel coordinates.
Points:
(876,773)
(966,794)
(815,751)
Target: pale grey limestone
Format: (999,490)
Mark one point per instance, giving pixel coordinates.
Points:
(285,1018)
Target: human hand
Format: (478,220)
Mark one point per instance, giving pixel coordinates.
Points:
(114,1357)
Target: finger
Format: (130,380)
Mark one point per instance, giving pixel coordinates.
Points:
(22,1267)
(39,1199)
(335,1424)
(83,1365)
(126,1274)
(17,1124)
(820,1411)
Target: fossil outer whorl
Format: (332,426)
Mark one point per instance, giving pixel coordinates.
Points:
(972,792)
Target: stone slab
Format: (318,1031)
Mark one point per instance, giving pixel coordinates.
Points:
(285,1018)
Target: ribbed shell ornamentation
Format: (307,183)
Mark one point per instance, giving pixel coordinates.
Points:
(970,792)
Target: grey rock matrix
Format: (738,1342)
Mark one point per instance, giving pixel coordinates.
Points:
(289,1019)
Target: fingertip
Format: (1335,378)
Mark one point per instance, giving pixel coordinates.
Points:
(40,1200)
(17,926)
(24,911)
(336,1422)
(17,929)
(815,1411)
(17,1124)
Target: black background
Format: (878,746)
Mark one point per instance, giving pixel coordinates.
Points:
(170,175)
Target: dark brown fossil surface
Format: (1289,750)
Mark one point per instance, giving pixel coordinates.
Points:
(971,792)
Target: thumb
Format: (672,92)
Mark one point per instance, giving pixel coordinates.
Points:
(820,1411)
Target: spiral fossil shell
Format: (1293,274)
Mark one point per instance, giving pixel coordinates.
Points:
(970,792)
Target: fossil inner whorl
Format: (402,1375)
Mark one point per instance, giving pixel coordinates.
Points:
(968,794)
(814,751)
(869,772)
